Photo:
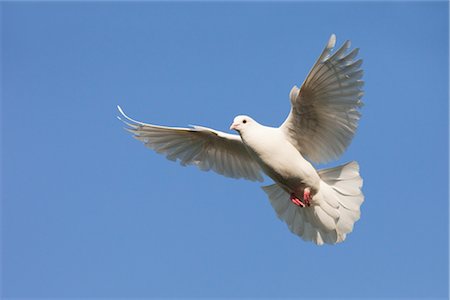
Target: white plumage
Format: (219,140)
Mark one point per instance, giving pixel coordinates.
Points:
(206,148)
(323,119)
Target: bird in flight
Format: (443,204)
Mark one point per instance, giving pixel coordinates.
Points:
(318,205)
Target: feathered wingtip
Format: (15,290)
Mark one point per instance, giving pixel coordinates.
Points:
(331,41)
(123,114)
(134,124)
(328,48)
(327,51)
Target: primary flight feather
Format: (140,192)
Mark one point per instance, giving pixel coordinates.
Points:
(317,205)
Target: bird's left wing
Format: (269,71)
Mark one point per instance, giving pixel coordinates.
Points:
(324,113)
(206,148)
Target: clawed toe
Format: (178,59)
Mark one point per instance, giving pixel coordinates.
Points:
(297,201)
(307,196)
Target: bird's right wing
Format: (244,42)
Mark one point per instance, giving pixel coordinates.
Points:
(206,148)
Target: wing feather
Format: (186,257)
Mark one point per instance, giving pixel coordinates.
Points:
(324,113)
(206,148)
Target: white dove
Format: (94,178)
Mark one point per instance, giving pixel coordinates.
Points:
(317,205)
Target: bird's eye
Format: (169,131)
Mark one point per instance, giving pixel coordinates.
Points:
(245,121)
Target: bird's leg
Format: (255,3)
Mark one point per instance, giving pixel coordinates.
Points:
(296,201)
(307,196)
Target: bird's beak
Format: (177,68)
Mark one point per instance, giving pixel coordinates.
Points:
(233,126)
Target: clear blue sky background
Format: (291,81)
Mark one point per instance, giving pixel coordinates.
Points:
(87,211)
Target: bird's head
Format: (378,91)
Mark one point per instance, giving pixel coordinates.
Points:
(240,123)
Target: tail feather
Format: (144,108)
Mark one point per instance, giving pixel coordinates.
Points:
(335,209)
(343,172)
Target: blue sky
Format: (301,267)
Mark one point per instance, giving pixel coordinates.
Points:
(88,211)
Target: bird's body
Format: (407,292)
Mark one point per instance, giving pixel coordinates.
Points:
(279,159)
(317,205)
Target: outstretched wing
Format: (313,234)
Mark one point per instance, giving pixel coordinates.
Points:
(203,147)
(324,113)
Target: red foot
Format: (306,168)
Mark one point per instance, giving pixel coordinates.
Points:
(307,196)
(296,201)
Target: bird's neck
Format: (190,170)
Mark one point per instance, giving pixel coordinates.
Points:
(258,133)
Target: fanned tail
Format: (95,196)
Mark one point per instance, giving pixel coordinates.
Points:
(335,209)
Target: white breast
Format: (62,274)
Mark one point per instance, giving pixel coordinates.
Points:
(279,159)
